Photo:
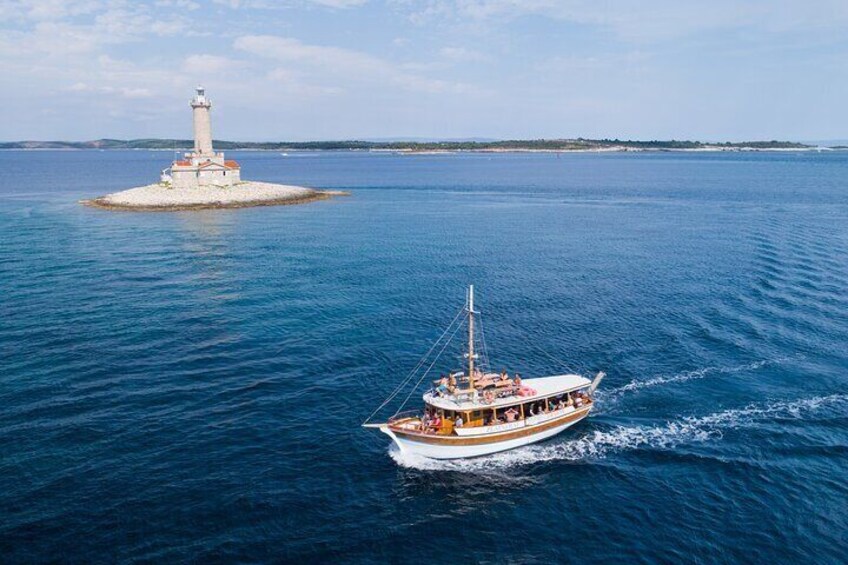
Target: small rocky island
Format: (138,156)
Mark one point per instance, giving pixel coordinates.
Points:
(205,180)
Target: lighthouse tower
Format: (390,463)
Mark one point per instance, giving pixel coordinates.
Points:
(202,167)
(200,106)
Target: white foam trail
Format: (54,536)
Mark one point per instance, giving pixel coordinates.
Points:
(599,444)
(690,375)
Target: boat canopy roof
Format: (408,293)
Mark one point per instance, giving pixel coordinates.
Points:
(543,387)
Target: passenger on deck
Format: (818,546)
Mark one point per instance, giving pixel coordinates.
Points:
(452,384)
(511,414)
(504,376)
(436,423)
(443,386)
(517,380)
(569,401)
(560,404)
(458,423)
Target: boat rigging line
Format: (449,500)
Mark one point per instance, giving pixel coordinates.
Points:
(436,358)
(486,360)
(420,363)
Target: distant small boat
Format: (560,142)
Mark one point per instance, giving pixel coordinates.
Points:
(470,413)
(284,154)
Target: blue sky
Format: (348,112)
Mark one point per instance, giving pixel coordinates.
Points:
(342,69)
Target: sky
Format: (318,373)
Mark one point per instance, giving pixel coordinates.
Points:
(437,69)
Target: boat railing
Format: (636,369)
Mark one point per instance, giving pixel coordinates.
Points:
(405,415)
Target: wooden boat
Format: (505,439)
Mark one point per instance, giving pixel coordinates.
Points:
(472,413)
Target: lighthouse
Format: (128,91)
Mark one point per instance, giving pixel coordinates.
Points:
(200,106)
(202,167)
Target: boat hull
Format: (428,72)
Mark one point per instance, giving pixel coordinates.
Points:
(452,447)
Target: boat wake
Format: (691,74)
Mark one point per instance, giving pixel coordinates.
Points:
(688,376)
(600,443)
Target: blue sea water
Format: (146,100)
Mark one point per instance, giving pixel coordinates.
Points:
(189,387)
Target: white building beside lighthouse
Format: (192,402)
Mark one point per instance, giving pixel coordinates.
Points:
(202,167)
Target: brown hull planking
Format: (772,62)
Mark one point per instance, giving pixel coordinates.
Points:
(495,437)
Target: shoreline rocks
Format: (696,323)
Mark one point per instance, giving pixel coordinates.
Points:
(162,198)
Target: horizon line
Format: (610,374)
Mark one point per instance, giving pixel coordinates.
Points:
(423,139)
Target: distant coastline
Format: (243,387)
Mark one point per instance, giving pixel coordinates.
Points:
(426,147)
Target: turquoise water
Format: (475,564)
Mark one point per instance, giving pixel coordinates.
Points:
(189,386)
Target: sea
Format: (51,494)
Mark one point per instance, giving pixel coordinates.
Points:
(189,387)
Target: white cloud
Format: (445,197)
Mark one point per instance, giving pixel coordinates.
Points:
(139,59)
(294,83)
(47,10)
(595,63)
(334,64)
(461,54)
(292,50)
(277,4)
(178,4)
(125,92)
(210,64)
(58,31)
(339,3)
(647,21)
(132,23)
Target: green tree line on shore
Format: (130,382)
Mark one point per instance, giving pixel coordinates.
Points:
(356,145)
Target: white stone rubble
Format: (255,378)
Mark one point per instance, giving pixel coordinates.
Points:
(243,194)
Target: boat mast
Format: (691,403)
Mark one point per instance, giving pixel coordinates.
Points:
(471,336)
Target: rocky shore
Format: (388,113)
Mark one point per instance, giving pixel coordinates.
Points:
(162,198)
